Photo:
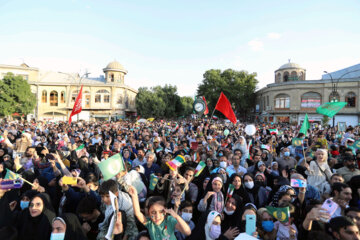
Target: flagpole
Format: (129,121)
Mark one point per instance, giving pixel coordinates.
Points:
(212,116)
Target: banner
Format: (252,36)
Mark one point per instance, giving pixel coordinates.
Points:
(330,109)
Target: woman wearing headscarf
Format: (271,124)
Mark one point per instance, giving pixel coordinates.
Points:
(213,198)
(232,211)
(239,188)
(257,194)
(319,171)
(67,227)
(34,223)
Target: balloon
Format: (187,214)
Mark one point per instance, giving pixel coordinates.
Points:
(250,129)
(226,132)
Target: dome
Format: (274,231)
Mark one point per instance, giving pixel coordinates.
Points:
(115,65)
(289,65)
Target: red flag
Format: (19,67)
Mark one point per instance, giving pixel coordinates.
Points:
(206,109)
(77,105)
(223,105)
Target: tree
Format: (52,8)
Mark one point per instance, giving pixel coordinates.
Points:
(161,102)
(238,86)
(187,103)
(15,96)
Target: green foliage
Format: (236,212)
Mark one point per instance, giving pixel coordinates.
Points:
(187,103)
(15,96)
(238,86)
(160,102)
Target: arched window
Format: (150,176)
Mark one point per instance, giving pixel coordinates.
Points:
(62,97)
(44,96)
(120,99)
(310,100)
(102,94)
(302,76)
(278,78)
(112,77)
(53,98)
(350,98)
(293,76)
(334,97)
(286,76)
(282,101)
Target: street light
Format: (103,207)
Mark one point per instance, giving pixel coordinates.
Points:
(334,87)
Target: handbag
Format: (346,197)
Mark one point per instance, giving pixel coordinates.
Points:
(322,171)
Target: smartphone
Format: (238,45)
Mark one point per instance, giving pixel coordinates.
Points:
(250,224)
(330,206)
(298,183)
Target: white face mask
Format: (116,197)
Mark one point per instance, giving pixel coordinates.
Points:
(249,185)
(57,236)
(228,212)
(223,164)
(186,216)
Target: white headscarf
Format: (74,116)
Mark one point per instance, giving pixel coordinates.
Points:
(210,219)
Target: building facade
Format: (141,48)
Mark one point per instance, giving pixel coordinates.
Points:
(106,97)
(292,96)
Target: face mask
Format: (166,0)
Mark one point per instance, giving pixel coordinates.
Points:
(249,185)
(186,216)
(221,154)
(260,183)
(57,236)
(286,154)
(223,164)
(24,204)
(215,231)
(228,212)
(268,226)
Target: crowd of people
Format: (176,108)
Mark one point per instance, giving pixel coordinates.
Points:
(230,185)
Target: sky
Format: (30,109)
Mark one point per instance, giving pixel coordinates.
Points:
(174,42)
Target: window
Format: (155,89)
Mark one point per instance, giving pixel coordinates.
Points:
(334,97)
(53,98)
(278,78)
(62,97)
(74,95)
(310,100)
(120,100)
(102,94)
(286,76)
(44,96)
(282,101)
(112,77)
(267,100)
(350,98)
(294,76)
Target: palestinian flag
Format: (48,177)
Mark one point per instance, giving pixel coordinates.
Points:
(176,162)
(153,181)
(281,214)
(273,131)
(81,150)
(230,191)
(2,139)
(11,175)
(111,166)
(199,168)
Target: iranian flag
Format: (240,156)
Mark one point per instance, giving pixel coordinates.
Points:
(176,162)
(230,191)
(273,131)
(199,168)
(248,148)
(77,105)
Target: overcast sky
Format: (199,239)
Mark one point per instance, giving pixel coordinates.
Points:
(175,42)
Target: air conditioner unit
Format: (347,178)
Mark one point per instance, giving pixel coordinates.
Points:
(268,108)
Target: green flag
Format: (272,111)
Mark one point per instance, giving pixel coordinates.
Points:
(330,108)
(305,126)
(11,175)
(111,166)
(297,142)
(357,144)
(153,181)
(281,214)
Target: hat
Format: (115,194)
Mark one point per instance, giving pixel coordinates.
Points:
(260,163)
(260,174)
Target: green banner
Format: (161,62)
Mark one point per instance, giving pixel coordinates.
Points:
(330,109)
(297,142)
(305,126)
